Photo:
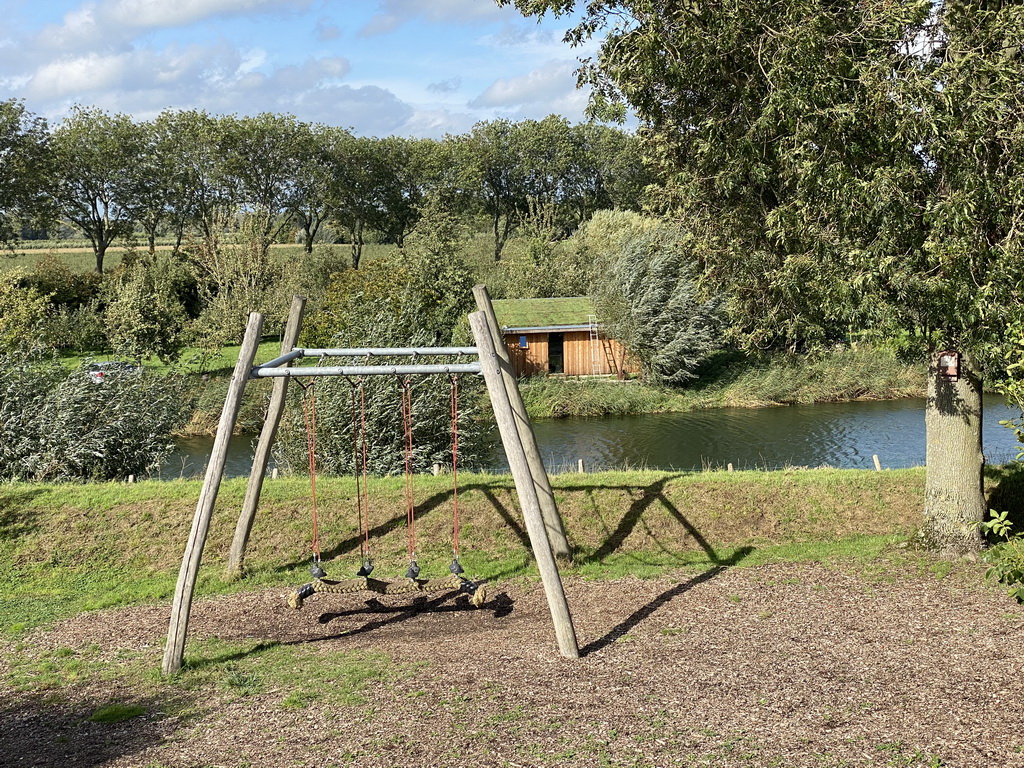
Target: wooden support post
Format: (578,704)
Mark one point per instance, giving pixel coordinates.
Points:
(525,487)
(236,557)
(878,464)
(549,509)
(175,648)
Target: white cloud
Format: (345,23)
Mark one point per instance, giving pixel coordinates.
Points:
(394,13)
(81,75)
(116,22)
(370,110)
(145,14)
(554,80)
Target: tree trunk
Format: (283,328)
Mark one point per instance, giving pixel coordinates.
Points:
(357,244)
(954,490)
(497,237)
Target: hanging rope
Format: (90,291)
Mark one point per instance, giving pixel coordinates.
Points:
(309,415)
(410,499)
(455,567)
(359,470)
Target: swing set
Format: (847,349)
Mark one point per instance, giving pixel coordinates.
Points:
(533,489)
(362,581)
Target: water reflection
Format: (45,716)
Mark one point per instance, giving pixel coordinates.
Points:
(843,435)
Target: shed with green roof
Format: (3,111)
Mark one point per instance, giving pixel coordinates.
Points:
(558,336)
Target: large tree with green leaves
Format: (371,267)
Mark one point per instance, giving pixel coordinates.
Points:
(24,169)
(98,175)
(843,165)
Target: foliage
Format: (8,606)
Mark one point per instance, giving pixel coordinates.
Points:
(233,280)
(1006,558)
(80,330)
(22,313)
(60,426)
(144,315)
(575,170)
(52,276)
(841,166)
(98,165)
(23,169)
(645,294)
(539,265)
(418,299)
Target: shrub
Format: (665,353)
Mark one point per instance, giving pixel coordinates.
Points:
(59,426)
(645,293)
(22,313)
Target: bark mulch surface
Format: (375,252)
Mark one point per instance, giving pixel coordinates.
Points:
(782,665)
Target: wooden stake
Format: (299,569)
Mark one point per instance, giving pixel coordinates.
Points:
(175,648)
(260,459)
(549,509)
(878,464)
(525,487)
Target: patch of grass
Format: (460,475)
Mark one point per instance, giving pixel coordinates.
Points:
(299,676)
(738,381)
(116,713)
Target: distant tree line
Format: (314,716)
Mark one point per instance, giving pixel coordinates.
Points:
(189,173)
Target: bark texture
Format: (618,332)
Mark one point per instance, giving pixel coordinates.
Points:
(954,490)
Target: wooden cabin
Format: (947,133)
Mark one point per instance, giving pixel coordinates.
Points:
(558,337)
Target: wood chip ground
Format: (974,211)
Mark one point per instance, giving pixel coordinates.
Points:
(780,665)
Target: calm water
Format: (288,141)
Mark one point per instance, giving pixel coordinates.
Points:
(843,435)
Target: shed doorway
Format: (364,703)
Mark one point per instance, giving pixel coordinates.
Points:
(556,356)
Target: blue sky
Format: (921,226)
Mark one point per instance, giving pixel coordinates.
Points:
(379,67)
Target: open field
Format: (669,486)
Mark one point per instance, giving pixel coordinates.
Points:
(725,619)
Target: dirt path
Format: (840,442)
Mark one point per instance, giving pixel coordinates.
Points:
(770,666)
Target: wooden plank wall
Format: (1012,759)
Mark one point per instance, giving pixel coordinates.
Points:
(575,351)
(533,359)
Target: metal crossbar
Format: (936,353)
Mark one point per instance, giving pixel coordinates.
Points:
(365,370)
(274,369)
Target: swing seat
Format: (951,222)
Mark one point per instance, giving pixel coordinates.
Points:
(477,592)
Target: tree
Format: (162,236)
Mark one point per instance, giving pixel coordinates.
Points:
(22,311)
(645,292)
(191,147)
(262,160)
(144,315)
(24,168)
(97,160)
(310,200)
(842,165)
(494,169)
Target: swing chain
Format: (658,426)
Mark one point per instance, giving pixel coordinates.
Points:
(309,415)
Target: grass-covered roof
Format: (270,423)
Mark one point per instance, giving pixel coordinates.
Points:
(541,313)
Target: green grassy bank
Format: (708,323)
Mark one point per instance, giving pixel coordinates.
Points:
(733,380)
(69,548)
